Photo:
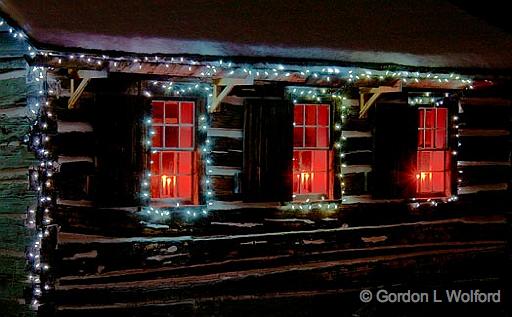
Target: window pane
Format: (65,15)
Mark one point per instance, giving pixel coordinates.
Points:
(184,186)
(319,182)
(305,160)
(157,111)
(310,137)
(296,160)
(296,183)
(319,160)
(323,115)
(323,137)
(421,135)
(311,115)
(298,116)
(186,134)
(187,112)
(438,182)
(429,139)
(442,116)
(155,163)
(421,114)
(169,163)
(155,186)
(430,117)
(437,163)
(298,134)
(440,139)
(171,112)
(171,137)
(424,160)
(157,139)
(185,163)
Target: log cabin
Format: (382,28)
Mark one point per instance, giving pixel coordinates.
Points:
(250,168)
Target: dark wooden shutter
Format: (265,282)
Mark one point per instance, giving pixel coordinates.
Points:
(268,150)
(120,158)
(396,129)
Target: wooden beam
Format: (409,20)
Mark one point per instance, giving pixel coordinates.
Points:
(77,93)
(220,93)
(365,105)
(87,75)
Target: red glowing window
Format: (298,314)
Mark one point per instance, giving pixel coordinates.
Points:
(311,154)
(172,158)
(433,159)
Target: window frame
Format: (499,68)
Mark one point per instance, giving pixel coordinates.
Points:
(423,148)
(329,163)
(195,168)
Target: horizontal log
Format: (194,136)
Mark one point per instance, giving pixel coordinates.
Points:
(229,158)
(483,132)
(12,92)
(12,63)
(225,144)
(486,117)
(67,126)
(16,156)
(11,46)
(356,134)
(15,196)
(357,144)
(483,163)
(14,234)
(224,188)
(479,148)
(229,117)
(223,171)
(221,248)
(485,101)
(463,190)
(228,133)
(361,157)
(331,274)
(355,169)
(484,174)
(74,144)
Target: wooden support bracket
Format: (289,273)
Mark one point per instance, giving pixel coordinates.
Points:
(366,105)
(86,76)
(222,88)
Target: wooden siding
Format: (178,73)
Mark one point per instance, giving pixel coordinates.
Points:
(14,163)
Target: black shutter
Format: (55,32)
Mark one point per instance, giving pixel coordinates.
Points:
(268,150)
(119,126)
(396,130)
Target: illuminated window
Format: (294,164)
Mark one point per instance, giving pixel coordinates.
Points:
(172,158)
(311,153)
(433,157)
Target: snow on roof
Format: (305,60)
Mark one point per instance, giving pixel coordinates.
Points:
(427,33)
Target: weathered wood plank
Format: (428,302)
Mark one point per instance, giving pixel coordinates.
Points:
(15,156)
(484,149)
(14,235)
(11,46)
(15,196)
(12,63)
(12,92)
(463,190)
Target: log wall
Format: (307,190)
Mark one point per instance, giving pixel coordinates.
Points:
(14,163)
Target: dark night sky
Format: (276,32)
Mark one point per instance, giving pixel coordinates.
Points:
(494,12)
(427,32)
